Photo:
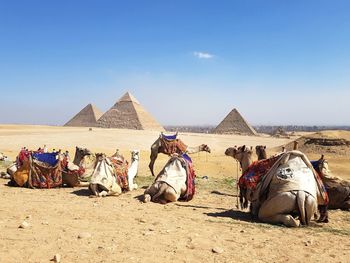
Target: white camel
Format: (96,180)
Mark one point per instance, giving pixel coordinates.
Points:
(106,180)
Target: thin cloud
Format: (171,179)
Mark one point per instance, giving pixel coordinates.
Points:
(203,55)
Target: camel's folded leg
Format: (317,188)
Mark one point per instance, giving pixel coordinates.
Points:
(170,195)
(276,209)
(94,190)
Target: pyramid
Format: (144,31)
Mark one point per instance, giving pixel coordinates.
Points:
(127,113)
(87,117)
(234,123)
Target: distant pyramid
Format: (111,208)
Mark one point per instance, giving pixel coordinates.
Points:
(127,113)
(235,123)
(87,117)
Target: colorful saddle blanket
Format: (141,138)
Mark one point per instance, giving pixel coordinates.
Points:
(121,167)
(252,176)
(171,147)
(44,175)
(191,177)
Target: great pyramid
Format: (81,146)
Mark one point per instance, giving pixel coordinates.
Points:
(234,123)
(127,113)
(87,117)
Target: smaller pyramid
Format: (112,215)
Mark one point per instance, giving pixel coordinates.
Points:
(127,113)
(234,123)
(87,117)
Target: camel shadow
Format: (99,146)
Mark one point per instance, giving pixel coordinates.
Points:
(234,214)
(220,193)
(82,192)
(139,197)
(198,206)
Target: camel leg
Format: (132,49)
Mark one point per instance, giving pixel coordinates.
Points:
(153,157)
(310,207)
(94,189)
(170,195)
(162,188)
(276,210)
(150,191)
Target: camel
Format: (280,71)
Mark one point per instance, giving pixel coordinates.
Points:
(133,169)
(338,189)
(11,169)
(288,187)
(260,151)
(174,182)
(111,175)
(2,157)
(169,145)
(38,170)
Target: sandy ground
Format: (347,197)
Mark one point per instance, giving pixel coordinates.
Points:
(123,229)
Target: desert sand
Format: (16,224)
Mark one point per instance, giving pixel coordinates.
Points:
(66,221)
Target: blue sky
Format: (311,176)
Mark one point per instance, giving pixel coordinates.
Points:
(187,62)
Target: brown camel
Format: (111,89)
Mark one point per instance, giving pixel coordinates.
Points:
(169,147)
(83,158)
(338,189)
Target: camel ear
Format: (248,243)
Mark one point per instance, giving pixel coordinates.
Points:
(243,147)
(265,147)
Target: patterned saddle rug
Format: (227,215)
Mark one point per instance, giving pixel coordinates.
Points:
(190,181)
(252,176)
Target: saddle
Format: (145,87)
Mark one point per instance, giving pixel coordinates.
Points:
(168,137)
(170,145)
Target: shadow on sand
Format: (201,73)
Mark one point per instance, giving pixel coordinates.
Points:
(234,214)
(220,193)
(198,206)
(82,192)
(139,197)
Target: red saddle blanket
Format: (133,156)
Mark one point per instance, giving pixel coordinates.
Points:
(252,176)
(121,167)
(191,177)
(171,147)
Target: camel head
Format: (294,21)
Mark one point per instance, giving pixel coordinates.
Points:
(231,151)
(260,151)
(242,154)
(323,166)
(100,156)
(83,151)
(205,148)
(135,155)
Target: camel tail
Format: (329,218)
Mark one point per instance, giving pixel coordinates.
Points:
(301,206)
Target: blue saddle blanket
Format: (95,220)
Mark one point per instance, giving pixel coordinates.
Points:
(186,157)
(315,164)
(49,158)
(169,137)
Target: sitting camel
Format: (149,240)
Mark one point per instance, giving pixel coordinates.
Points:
(113,176)
(78,172)
(174,182)
(170,145)
(338,189)
(287,187)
